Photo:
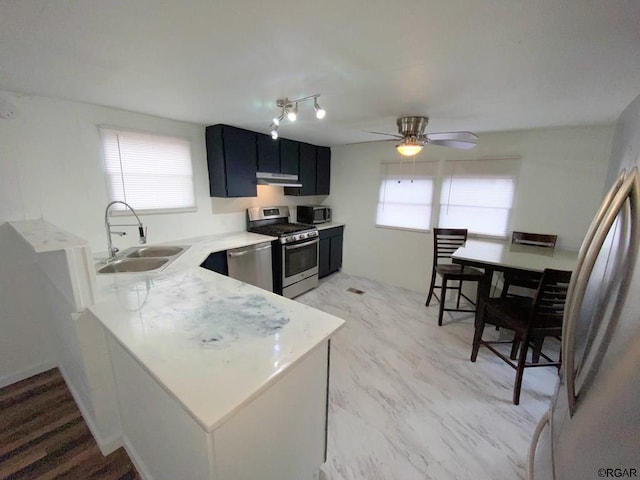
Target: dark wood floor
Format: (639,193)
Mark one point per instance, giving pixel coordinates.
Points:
(43,435)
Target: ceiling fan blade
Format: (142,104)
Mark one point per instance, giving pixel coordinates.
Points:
(399,137)
(463,140)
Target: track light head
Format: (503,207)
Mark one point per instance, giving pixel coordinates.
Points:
(292,113)
(320,112)
(274,131)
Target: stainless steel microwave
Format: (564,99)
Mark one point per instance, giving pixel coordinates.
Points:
(313,214)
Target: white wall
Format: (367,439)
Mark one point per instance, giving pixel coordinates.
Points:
(51,167)
(563,173)
(27,339)
(626,143)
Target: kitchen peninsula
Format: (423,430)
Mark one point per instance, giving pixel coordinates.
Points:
(214,378)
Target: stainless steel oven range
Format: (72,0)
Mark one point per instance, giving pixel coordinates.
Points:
(295,253)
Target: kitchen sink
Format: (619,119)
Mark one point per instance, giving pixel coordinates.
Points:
(155,251)
(123,265)
(142,259)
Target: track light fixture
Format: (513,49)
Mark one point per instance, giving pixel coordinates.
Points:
(289,108)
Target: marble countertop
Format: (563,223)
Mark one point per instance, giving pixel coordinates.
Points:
(46,237)
(324,226)
(214,343)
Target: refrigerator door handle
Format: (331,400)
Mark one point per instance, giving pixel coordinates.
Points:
(630,190)
(588,239)
(544,421)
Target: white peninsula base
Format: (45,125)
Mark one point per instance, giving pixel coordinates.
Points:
(280,434)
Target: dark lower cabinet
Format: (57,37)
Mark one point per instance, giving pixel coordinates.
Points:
(330,254)
(217,262)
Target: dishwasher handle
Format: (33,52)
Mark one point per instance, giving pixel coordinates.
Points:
(248,250)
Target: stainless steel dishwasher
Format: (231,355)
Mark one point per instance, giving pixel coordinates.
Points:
(252,265)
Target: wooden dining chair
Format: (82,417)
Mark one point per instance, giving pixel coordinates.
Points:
(445,242)
(531,320)
(528,280)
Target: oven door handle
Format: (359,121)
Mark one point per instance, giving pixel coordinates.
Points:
(300,245)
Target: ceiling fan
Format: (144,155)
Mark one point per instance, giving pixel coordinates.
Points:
(413,139)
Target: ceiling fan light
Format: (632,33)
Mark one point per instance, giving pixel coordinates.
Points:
(409,149)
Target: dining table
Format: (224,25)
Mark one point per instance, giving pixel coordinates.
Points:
(504,256)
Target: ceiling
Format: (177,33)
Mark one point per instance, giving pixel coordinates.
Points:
(478,65)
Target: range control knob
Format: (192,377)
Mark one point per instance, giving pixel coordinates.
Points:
(290,239)
(303,235)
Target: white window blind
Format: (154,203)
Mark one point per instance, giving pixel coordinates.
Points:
(149,172)
(406,193)
(478,195)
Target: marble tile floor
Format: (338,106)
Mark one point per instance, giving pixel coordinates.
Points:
(406,402)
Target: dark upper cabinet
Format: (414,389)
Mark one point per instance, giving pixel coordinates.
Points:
(268,153)
(234,155)
(307,165)
(232,161)
(288,156)
(315,171)
(323,170)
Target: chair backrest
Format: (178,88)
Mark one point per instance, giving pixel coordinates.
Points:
(551,297)
(535,239)
(446,241)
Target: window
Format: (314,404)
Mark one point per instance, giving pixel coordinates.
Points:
(149,172)
(473,194)
(478,195)
(406,193)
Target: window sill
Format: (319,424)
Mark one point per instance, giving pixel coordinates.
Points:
(405,229)
(155,211)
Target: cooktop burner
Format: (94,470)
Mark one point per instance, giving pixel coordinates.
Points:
(281,229)
(274,222)
(287,232)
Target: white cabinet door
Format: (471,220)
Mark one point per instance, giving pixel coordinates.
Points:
(281,434)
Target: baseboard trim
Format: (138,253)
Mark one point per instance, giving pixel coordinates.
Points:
(135,459)
(106,445)
(26,373)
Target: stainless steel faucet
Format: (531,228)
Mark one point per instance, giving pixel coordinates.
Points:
(141,229)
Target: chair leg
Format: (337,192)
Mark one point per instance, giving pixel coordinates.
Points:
(537,348)
(505,287)
(443,296)
(524,345)
(477,335)
(514,347)
(459,294)
(433,283)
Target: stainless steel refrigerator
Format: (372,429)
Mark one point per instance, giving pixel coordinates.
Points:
(592,429)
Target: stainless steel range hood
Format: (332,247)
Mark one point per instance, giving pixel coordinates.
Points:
(277,179)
